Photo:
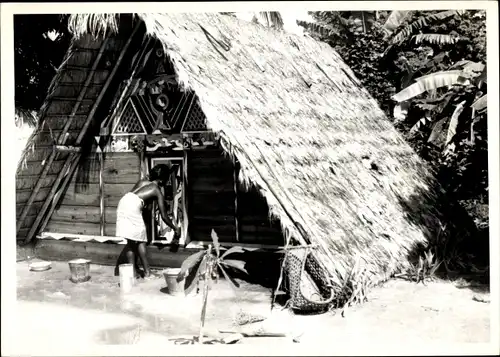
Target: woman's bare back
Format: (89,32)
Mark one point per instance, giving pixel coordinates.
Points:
(145,190)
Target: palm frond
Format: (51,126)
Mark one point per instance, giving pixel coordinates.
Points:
(394,20)
(271,18)
(435,38)
(422,22)
(24,116)
(317,28)
(94,24)
(430,82)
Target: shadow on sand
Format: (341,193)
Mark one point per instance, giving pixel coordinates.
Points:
(451,234)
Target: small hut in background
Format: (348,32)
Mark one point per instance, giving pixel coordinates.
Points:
(275,141)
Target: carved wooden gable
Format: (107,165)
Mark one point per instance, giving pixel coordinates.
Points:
(129,122)
(158,105)
(195,119)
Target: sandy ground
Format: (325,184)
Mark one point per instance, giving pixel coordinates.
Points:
(53,311)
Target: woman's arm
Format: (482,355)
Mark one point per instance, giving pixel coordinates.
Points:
(163,211)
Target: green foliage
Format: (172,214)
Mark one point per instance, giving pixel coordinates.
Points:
(271,18)
(211,259)
(435,38)
(395,20)
(420,23)
(423,271)
(430,82)
(40,43)
(205,266)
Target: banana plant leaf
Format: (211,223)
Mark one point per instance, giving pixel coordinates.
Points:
(231,280)
(215,240)
(435,38)
(422,22)
(394,20)
(191,262)
(430,82)
(452,128)
(419,125)
(480,104)
(438,133)
(237,264)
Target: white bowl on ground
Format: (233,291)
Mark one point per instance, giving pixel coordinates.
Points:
(40,266)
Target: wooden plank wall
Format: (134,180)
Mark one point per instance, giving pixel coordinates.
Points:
(254,221)
(121,172)
(211,196)
(211,200)
(79,211)
(212,203)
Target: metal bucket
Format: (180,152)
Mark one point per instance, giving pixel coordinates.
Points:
(80,270)
(173,287)
(127,278)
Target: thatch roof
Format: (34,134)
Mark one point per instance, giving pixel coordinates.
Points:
(307,134)
(26,121)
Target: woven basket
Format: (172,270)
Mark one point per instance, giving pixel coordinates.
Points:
(307,284)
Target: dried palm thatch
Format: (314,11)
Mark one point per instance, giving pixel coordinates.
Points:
(36,120)
(307,134)
(26,122)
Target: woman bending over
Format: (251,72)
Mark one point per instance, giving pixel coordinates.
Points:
(129,219)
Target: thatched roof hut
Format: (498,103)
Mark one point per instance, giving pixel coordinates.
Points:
(306,133)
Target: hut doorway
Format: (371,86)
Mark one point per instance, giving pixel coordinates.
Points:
(175,197)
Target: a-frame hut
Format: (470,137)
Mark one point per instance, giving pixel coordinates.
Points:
(275,139)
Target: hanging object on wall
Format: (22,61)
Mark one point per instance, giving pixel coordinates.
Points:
(137,143)
(163,143)
(198,140)
(120,144)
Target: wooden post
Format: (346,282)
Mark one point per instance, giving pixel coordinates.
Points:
(143,164)
(235,186)
(185,218)
(101,193)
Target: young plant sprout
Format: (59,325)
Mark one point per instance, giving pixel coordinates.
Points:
(205,266)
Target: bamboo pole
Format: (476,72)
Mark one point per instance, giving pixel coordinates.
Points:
(206,287)
(72,160)
(108,122)
(67,148)
(235,186)
(59,193)
(62,137)
(185,218)
(101,193)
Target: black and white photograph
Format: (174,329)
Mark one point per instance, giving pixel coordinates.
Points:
(296,177)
